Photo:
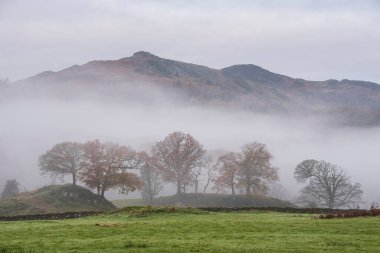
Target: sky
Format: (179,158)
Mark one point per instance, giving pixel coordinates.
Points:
(310,39)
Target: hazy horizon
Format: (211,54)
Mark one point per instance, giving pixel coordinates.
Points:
(33,126)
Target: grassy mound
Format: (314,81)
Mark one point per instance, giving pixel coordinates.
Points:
(207,200)
(54,199)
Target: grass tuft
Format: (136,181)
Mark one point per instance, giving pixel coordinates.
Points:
(142,211)
(15,249)
(130,244)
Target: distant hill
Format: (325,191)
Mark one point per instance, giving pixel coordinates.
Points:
(247,87)
(208,200)
(54,199)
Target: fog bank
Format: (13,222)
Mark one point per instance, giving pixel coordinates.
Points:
(30,127)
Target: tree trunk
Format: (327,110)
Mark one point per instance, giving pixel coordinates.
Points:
(331,203)
(103,187)
(74,179)
(248,190)
(151,199)
(179,190)
(208,182)
(232,186)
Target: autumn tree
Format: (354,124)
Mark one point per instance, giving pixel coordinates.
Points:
(328,184)
(176,156)
(249,170)
(10,189)
(151,178)
(106,167)
(94,164)
(63,159)
(255,170)
(227,167)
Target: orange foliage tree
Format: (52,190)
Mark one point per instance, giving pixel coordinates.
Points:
(227,166)
(105,167)
(255,170)
(250,171)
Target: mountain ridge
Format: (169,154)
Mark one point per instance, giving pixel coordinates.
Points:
(149,56)
(242,86)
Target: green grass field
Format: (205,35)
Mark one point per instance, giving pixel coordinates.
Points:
(190,230)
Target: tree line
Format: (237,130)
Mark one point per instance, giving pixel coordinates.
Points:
(182,160)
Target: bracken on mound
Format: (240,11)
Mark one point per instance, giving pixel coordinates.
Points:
(54,199)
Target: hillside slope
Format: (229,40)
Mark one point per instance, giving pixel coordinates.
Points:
(54,199)
(248,87)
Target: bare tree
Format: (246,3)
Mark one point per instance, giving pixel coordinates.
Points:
(207,165)
(63,159)
(151,178)
(176,156)
(328,185)
(255,170)
(196,174)
(199,171)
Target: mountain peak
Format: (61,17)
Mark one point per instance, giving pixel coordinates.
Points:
(252,72)
(144,54)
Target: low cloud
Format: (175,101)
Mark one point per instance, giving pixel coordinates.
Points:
(30,127)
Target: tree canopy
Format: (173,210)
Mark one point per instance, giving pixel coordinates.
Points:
(328,185)
(101,166)
(151,178)
(63,159)
(105,167)
(249,171)
(227,166)
(176,156)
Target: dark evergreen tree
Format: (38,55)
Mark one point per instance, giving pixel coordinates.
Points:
(10,189)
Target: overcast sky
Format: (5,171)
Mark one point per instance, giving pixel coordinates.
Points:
(308,39)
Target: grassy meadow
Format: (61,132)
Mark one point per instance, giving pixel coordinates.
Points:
(189,230)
